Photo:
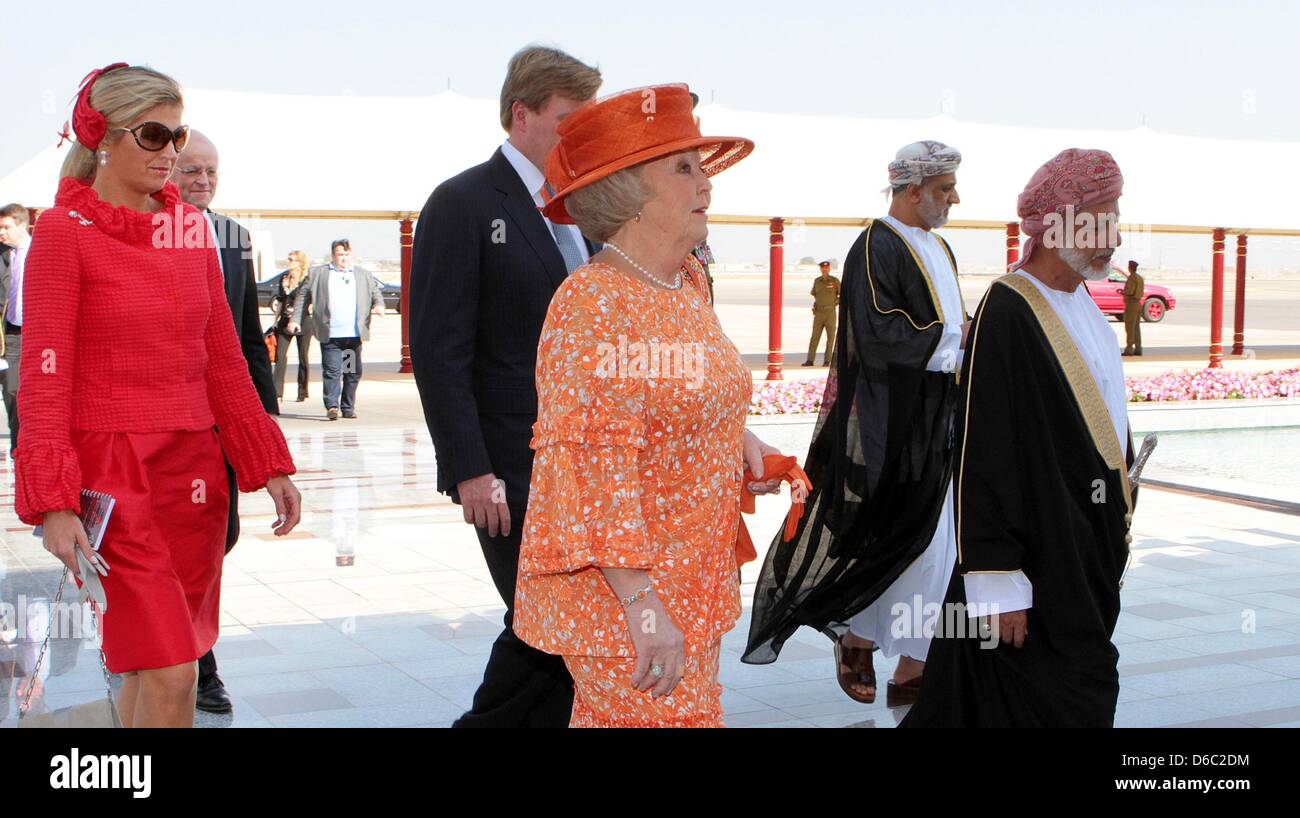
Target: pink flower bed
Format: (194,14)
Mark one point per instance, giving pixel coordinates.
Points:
(805,395)
(1214,384)
(787,397)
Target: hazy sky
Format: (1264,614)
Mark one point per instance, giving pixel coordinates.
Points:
(1223,69)
(1210,68)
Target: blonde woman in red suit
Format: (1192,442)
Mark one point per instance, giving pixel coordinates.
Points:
(114,405)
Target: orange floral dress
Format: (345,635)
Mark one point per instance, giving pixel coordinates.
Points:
(641,418)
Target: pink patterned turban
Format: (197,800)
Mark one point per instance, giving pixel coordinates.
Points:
(914,162)
(1074,177)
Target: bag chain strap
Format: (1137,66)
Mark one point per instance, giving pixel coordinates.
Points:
(49,630)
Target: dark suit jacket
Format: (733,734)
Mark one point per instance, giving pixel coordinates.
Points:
(241,293)
(484,268)
(5,252)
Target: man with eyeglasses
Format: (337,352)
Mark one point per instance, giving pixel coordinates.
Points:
(196,175)
(342,299)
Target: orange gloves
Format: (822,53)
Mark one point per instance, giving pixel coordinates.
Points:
(775,467)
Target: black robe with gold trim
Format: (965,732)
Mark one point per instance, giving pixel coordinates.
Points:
(1041,486)
(881,453)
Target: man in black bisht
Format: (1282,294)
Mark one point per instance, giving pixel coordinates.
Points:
(1043,496)
(880,459)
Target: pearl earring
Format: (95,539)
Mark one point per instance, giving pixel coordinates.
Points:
(103,157)
(638,217)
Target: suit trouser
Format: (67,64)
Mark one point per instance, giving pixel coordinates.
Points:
(823,318)
(13,351)
(282,343)
(1133,327)
(208,661)
(522,686)
(341,372)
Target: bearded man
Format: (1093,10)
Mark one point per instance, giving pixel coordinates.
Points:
(1043,501)
(878,543)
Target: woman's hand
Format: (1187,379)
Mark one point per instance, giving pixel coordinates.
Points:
(288,503)
(655,637)
(755,451)
(64,535)
(658,643)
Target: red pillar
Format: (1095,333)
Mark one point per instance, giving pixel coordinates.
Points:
(1216,302)
(407,241)
(1239,303)
(1013,243)
(775,300)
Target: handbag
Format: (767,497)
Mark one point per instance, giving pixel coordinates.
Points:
(99,713)
(272,342)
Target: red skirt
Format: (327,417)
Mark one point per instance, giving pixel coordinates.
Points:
(164,543)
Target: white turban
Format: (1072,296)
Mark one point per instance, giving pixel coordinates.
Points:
(914,162)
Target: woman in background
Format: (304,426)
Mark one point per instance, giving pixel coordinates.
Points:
(290,286)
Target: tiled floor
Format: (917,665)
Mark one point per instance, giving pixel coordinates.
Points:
(1210,633)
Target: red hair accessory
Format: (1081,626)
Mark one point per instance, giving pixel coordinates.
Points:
(89,124)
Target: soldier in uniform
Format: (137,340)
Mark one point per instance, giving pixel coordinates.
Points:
(1133,291)
(826,300)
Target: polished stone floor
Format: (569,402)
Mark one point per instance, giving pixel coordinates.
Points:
(379,611)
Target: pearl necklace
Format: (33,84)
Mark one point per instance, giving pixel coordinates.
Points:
(677,285)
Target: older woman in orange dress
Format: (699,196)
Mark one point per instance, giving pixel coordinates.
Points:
(627,566)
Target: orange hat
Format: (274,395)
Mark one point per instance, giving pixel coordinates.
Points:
(626,129)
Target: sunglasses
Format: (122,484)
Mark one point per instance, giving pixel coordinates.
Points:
(154,136)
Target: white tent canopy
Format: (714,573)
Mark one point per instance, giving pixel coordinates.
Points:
(348,153)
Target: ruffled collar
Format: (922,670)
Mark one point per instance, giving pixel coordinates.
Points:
(123,223)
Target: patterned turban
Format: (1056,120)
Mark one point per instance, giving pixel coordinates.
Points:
(1075,178)
(913,163)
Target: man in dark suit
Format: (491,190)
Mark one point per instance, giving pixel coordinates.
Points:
(196,177)
(485,265)
(15,236)
(342,300)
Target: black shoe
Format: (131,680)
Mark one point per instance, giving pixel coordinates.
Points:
(807,363)
(301,398)
(212,696)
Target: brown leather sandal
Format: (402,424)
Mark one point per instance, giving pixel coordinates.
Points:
(860,671)
(900,693)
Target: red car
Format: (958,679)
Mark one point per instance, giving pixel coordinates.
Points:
(1108,295)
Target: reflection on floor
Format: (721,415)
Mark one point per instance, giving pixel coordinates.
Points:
(379,611)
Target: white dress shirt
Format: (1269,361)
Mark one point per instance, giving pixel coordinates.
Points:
(343,302)
(534,180)
(948,354)
(1095,342)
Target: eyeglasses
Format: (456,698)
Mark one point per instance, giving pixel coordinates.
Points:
(154,136)
(188,170)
